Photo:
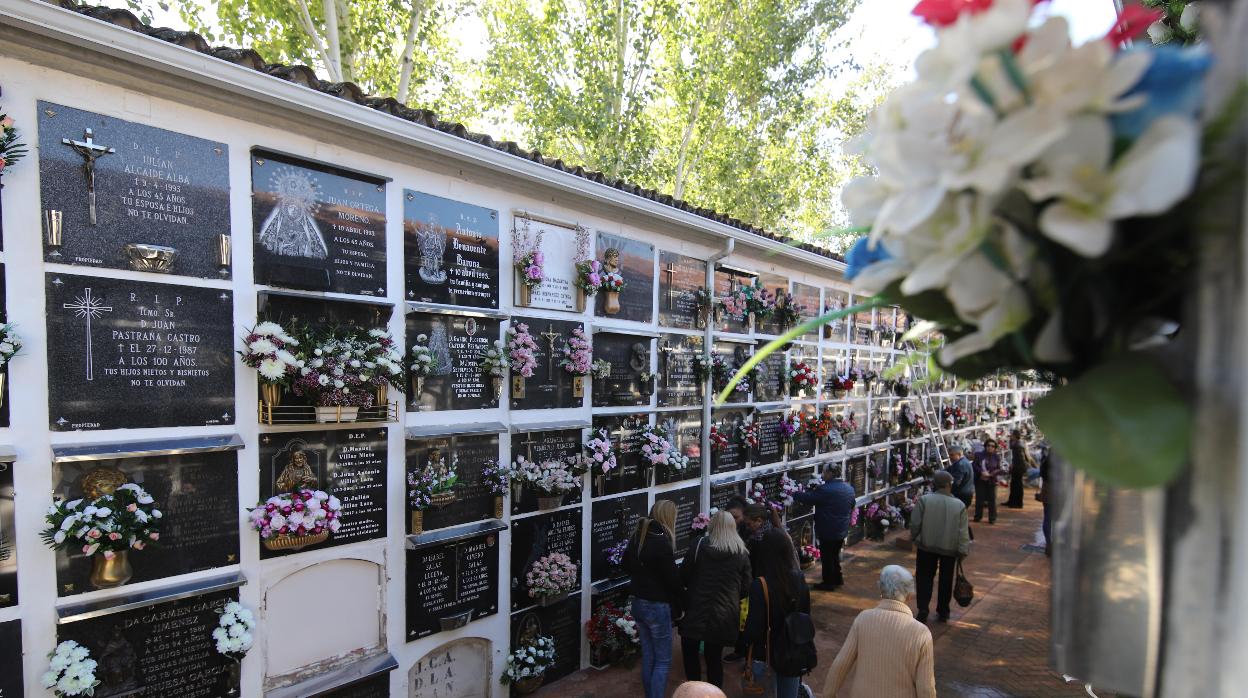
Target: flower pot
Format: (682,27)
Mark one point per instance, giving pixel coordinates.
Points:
(517,387)
(580,299)
(498,507)
(333,413)
(528,685)
(418,522)
(612,302)
(578,386)
(524,291)
(550,502)
(807,564)
(441,499)
(289,542)
(233,677)
(271,394)
(551,599)
(107,573)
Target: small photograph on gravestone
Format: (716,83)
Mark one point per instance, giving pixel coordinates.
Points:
(450,251)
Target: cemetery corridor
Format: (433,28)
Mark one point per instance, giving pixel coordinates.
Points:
(996,648)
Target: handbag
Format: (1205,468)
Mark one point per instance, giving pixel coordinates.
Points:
(963,591)
(756,677)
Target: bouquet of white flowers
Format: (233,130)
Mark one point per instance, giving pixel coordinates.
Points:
(10,344)
(269,349)
(125,520)
(530,660)
(71,671)
(233,632)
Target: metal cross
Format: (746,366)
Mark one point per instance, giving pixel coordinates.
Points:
(528,445)
(671,284)
(551,335)
(90,152)
(88,307)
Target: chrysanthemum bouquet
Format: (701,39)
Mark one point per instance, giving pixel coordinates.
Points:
(71,671)
(492,361)
(303,513)
(718,441)
(125,520)
(551,575)
(749,433)
(600,454)
(270,349)
(530,660)
(660,452)
(613,282)
(424,363)
(522,350)
(578,355)
(334,372)
(10,344)
(550,477)
(233,634)
(601,368)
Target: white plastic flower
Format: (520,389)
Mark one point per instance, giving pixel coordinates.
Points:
(272,369)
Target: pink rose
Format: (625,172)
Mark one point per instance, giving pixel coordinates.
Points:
(132,508)
(114,535)
(93,533)
(137,545)
(86,550)
(154,536)
(108,554)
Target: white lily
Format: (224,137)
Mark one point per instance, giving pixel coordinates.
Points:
(961,46)
(1092,192)
(1091,77)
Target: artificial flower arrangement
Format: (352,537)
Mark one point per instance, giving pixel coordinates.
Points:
(1179,23)
(551,478)
(802,376)
(788,488)
(588,270)
(718,441)
(612,634)
(759,302)
(757,494)
(521,350)
(496,481)
(333,373)
(749,433)
(600,454)
(270,349)
(492,362)
(660,452)
(233,634)
(110,524)
(10,344)
(789,426)
(577,356)
(701,521)
(423,362)
(71,671)
(297,519)
(846,424)
(527,257)
(840,385)
(600,369)
(809,554)
(383,357)
(615,554)
(613,282)
(552,575)
(734,304)
(11,148)
(901,386)
(530,661)
(818,425)
(788,311)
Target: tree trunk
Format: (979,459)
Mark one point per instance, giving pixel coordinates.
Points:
(309,28)
(409,49)
(333,45)
(678,190)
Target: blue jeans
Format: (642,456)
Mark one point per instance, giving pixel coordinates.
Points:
(786,686)
(654,625)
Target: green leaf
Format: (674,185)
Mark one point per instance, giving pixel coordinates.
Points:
(1123,423)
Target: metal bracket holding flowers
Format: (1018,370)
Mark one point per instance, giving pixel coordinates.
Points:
(660,454)
(114,518)
(612,282)
(71,671)
(496,481)
(551,578)
(550,479)
(527,664)
(234,636)
(528,260)
(10,346)
(788,429)
(578,360)
(522,354)
(296,520)
(600,459)
(492,361)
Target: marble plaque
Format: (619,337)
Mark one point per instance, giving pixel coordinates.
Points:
(290,310)
(468,455)
(678,382)
(450,584)
(562,623)
(776,286)
(637,266)
(735,355)
(459,669)
(632,471)
(540,446)
(770,377)
(863,326)
(680,278)
(196,492)
(450,251)
(686,500)
(684,430)
(550,386)
(457,342)
(727,280)
(349,464)
(770,445)
(160,650)
(11,659)
(722,495)
(736,455)
(801,476)
(375,686)
(856,474)
(629,356)
(833,300)
(772,491)
(127,354)
(558,245)
(534,537)
(317,227)
(8,539)
(613,522)
(807,297)
(151,187)
(804,443)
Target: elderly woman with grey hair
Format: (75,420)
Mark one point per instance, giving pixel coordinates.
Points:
(888,652)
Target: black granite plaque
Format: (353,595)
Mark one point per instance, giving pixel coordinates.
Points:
(613,522)
(735,455)
(680,278)
(316,226)
(804,444)
(375,686)
(159,650)
(886,324)
(457,342)
(878,468)
(687,500)
(351,465)
(856,474)
(450,251)
(468,454)
(534,537)
(735,355)
(629,356)
(539,446)
(833,300)
(864,326)
(901,324)
(770,377)
(722,495)
(637,266)
(450,584)
(859,437)
(678,378)
(770,484)
(776,286)
(151,187)
(11,659)
(801,476)
(125,354)
(291,310)
(684,430)
(808,298)
(770,445)
(8,539)
(562,623)
(632,471)
(198,495)
(727,280)
(550,386)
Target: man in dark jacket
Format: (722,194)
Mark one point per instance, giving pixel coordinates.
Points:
(963,477)
(1018,468)
(834,505)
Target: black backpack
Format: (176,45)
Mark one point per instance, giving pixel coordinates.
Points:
(794,653)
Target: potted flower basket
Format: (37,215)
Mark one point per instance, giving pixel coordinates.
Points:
(527,664)
(551,578)
(113,518)
(296,520)
(271,350)
(551,479)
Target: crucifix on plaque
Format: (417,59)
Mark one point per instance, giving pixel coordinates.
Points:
(528,445)
(90,152)
(551,335)
(670,271)
(89,307)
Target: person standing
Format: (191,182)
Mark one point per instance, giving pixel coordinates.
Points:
(1019,462)
(716,571)
(887,652)
(1048,488)
(834,502)
(657,592)
(941,534)
(963,478)
(778,589)
(987,466)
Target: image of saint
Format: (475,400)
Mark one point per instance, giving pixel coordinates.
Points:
(297,474)
(290,229)
(116,666)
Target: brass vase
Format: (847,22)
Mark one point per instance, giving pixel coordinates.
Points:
(383,391)
(578,386)
(418,522)
(517,387)
(580,299)
(418,387)
(498,507)
(4,375)
(109,573)
(497,382)
(612,304)
(271,393)
(524,290)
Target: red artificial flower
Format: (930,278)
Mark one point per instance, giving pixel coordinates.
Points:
(1133,21)
(942,13)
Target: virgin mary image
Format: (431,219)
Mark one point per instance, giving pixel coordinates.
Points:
(290,230)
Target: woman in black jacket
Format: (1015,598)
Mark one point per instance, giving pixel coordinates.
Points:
(785,592)
(657,592)
(716,571)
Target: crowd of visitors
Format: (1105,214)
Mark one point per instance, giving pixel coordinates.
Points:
(741,585)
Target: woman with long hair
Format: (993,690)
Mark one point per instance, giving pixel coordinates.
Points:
(657,592)
(779,589)
(716,571)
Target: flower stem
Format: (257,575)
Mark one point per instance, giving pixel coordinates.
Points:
(1014,72)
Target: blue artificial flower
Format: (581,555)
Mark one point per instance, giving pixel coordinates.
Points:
(862,255)
(1174,84)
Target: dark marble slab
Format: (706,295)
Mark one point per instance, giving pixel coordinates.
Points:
(317,227)
(770,445)
(198,495)
(725,281)
(808,298)
(776,286)
(637,266)
(803,445)
(684,430)
(159,650)
(454,579)
(563,623)
(735,355)
(457,342)
(770,377)
(450,251)
(534,537)
(629,356)
(686,500)
(11,659)
(721,495)
(349,464)
(8,539)
(632,471)
(157,187)
(126,354)
(736,455)
(677,379)
(612,522)
(801,476)
(680,277)
(539,446)
(550,386)
(469,454)
(856,474)
(4,317)
(833,300)
(288,310)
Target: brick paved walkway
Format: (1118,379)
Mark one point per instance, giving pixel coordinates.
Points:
(996,648)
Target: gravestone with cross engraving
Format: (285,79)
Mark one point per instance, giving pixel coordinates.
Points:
(680,279)
(678,383)
(624,432)
(550,386)
(540,446)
